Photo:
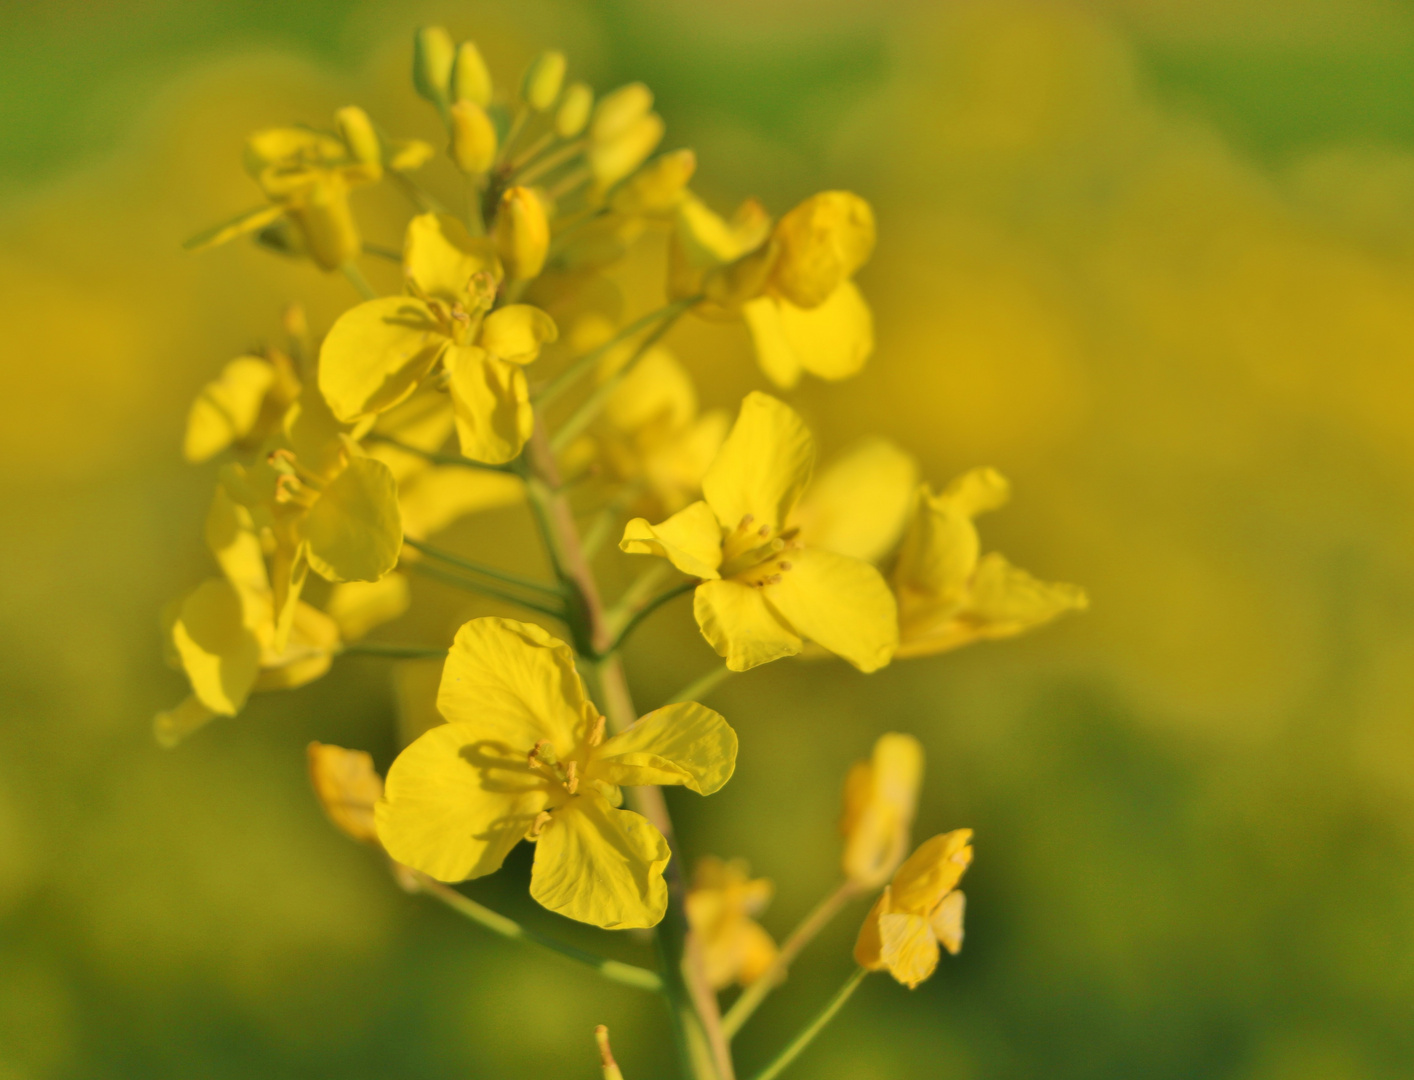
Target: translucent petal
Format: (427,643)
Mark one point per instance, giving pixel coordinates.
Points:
(513,683)
(737,622)
(763,466)
(354,530)
(491,402)
(1006,600)
(947,921)
(868,946)
(691,540)
(516,332)
(859,503)
(453,805)
(375,355)
(907,947)
(601,866)
(684,743)
(932,872)
(174,725)
(231,537)
(348,787)
(434,499)
(774,352)
(227,408)
(358,606)
(833,340)
(976,491)
(938,553)
(442,256)
(841,603)
(219,652)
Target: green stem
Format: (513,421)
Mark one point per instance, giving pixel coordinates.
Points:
(801,936)
(484,588)
(650,607)
(613,970)
(379,251)
(605,521)
(700,688)
(531,171)
(436,458)
(424,201)
(808,1033)
(392,651)
(359,282)
(582,365)
(480,568)
(589,408)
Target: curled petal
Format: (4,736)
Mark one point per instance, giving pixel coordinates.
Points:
(947,921)
(691,540)
(932,872)
(684,743)
(348,788)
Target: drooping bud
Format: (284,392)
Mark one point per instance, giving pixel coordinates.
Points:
(657,188)
(573,113)
(433,53)
(356,129)
(473,146)
(521,233)
(618,110)
(543,80)
(471,81)
(613,160)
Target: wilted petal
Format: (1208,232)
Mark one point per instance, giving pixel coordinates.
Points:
(907,947)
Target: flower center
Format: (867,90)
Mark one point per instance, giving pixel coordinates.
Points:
(756,555)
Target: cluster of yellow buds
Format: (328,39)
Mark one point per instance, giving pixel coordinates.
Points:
(347,452)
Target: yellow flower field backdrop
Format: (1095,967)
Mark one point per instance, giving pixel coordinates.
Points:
(1154,262)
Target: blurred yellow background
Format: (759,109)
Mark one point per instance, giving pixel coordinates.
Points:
(1153,259)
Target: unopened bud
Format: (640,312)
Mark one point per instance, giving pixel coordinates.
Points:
(471,81)
(618,110)
(433,53)
(657,188)
(473,146)
(612,161)
(356,129)
(573,113)
(522,233)
(543,80)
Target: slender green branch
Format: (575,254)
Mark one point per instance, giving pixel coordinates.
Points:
(532,170)
(393,651)
(359,282)
(808,1033)
(613,970)
(582,365)
(484,588)
(589,408)
(434,457)
(700,688)
(800,937)
(480,568)
(381,252)
(603,525)
(425,201)
(650,607)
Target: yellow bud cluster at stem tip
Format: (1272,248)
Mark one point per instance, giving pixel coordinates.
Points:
(521,233)
(473,143)
(543,79)
(471,81)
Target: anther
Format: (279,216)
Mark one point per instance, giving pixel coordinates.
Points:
(746,520)
(773,579)
(596,734)
(572,777)
(538,825)
(765,530)
(784,565)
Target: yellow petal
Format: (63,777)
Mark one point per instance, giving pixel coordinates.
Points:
(691,540)
(358,606)
(737,622)
(376,354)
(938,553)
(684,743)
(325,221)
(516,332)
(907,947)
(881,797)
(231,536)
(423,421)
(442,256)
(840,603)
(354,531)
(454,806)
(306,654)
(833,340)
(1006,600)
(823,242)
(491,402)
(763,466)
(774,352)
(315,434)
(514,684)
(868,946)
(227,408)
(976,491)
(348,787)
(174,725)
(931,872)
(601,866)
(248,222)
(219,652)
(434,499)
(755,951)
(947,921)
(272,145)
(858,505)
(657,391)
(289,567)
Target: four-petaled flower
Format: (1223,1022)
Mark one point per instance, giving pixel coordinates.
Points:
(734,947)
(524,756)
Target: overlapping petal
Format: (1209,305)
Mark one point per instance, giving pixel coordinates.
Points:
(354,529)
(841,603)
(683,743)
(492,404)
(858,505)
(737,621)
(691,540)
(762,467)
(375,355)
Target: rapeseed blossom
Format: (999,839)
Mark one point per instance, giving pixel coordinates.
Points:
(721,909)
(763,591)
(524,756)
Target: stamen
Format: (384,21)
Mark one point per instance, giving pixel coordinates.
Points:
(765,530)
(596,734)
(572,777)
(746,520)
(538,825)
(784,565)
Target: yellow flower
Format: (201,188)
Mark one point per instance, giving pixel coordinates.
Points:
(523,756)
(763,590)
(307,176)
(880,797)
(348,787)
(949,596)
(920,909)
(725,260)
(242,406)
(859,504)
(734,947)
(377,353)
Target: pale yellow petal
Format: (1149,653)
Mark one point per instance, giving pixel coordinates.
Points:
(1006,600)
(938,553)
(315,434)
(354,531)
(868,946)
(492,404)
(453,805)
(657,391)
(823,242)
(424,421)
(907,947)
(976,491)
(774,352)
(231,538)
(514,684)
(763,466)
(227,408)
(932,872)
(436,498)
(947,921)
(691,540)
(348,788)
(442,256)
(737,622)
(834,340)
(517,332)
(601,866)
(375,355)
(358,606)
(755,951)
(172,726)
(859,503)
(219,652)
(880,800)
(841,603)
(684,743)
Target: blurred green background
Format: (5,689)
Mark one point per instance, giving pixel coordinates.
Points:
(1153,259)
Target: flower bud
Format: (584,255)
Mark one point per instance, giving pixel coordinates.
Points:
(473,146)
(657,188)
(357,132)
(823,242)
(521,233)
(543,80)
(433,54)
(618,110)
(574,110)
(471,81)
(612,161)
